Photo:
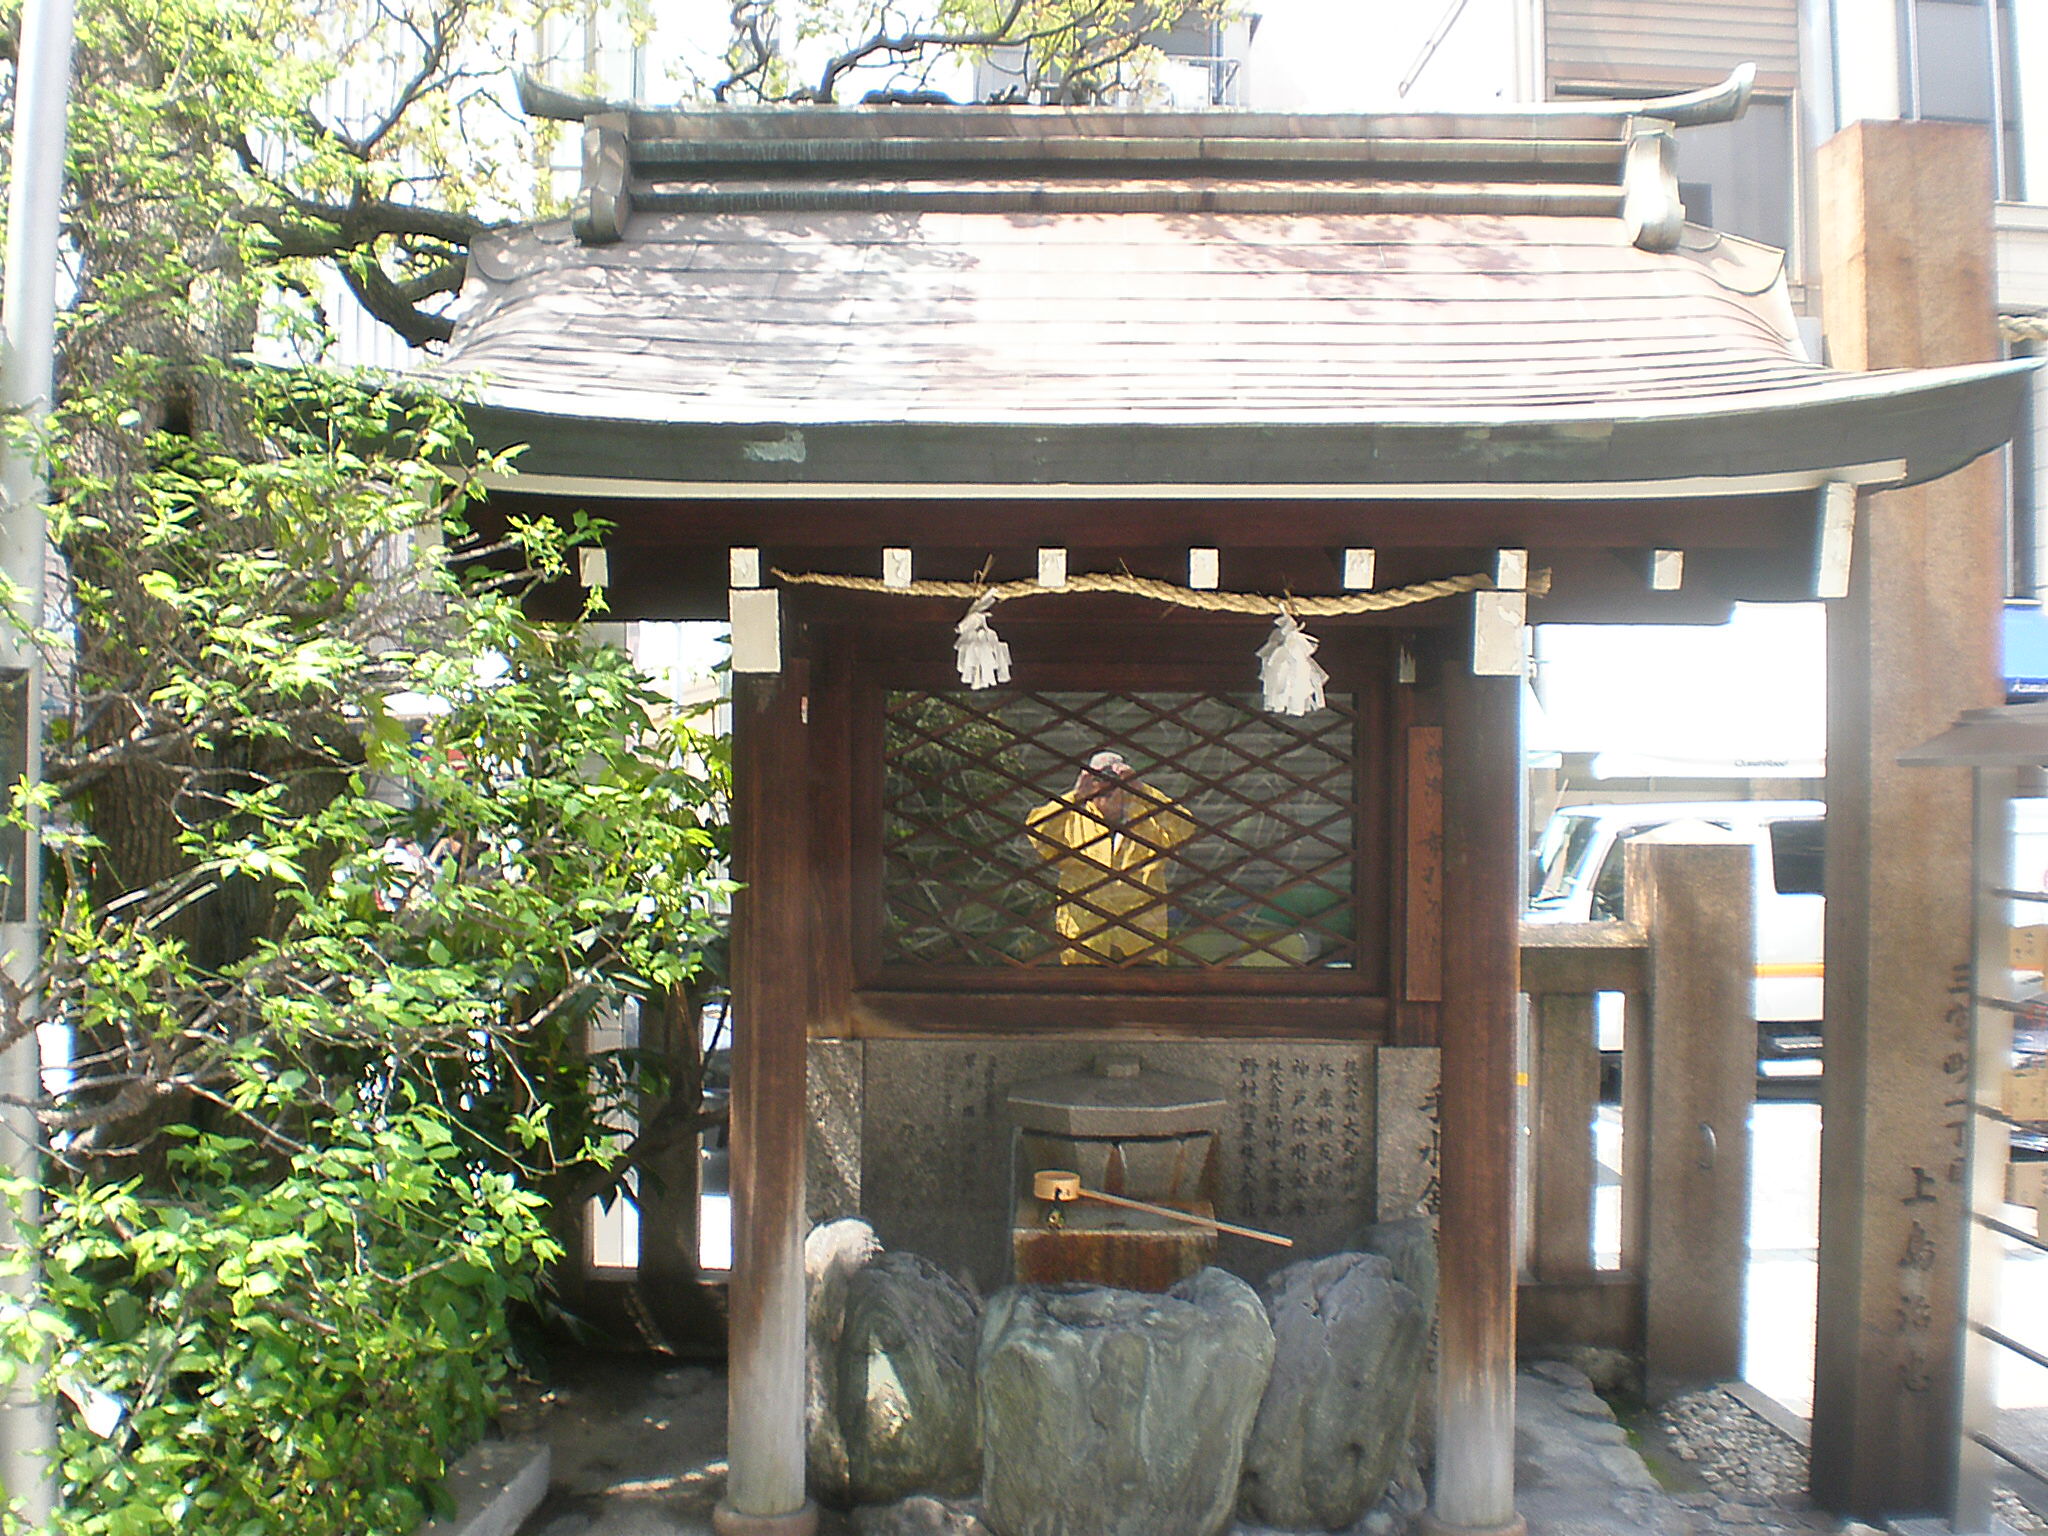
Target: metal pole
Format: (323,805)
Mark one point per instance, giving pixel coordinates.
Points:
(28,312)
(1994,53)
(1820,110)
(1909,32)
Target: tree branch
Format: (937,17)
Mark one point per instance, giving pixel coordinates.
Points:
(918,42)
(388,302)
(435,47)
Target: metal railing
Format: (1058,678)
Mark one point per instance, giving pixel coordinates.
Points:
(1980,1449)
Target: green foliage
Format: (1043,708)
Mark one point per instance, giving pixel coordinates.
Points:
(331,1084)
(330,1077)
(258,1350)
(343,849)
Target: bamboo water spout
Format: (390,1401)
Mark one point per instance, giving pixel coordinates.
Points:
(1057,1187)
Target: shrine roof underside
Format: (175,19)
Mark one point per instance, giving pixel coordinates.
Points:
(1023,302)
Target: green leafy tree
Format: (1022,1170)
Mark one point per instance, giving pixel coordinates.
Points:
(344,849)
(327,962)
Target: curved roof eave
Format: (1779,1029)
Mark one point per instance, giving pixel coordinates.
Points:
(1902,427)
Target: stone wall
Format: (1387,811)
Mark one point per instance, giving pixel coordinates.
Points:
(912,1135)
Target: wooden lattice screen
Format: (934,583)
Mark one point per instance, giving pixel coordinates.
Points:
(1240,851)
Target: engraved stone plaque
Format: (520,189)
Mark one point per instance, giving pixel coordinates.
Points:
(1410,1131)
(832,1141)
(1297,1141)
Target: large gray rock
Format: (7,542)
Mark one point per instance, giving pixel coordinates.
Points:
(834,1253)
(921,1515)
(906,1381)
(1116,1413)
(1333,1426)
(1409,1245)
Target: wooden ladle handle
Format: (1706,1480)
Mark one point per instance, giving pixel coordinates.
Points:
(1058,1185)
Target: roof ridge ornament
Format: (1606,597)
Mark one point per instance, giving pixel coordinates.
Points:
(539,99)
(604,202)
(1721,103)
(1650,201)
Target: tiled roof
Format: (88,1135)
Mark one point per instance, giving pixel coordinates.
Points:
(1548,345)
(797,318)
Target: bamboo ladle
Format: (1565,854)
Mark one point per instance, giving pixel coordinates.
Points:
(1060,1187)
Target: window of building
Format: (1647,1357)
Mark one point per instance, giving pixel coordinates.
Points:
(1959,67)
(1738,176)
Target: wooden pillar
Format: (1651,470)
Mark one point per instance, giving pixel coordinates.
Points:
(1475,1448)
(1906,268)
(772,1007)
(1698,1061)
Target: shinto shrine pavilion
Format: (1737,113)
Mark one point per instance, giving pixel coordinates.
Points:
(1296,357)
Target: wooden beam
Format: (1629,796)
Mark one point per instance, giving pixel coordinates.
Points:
(773,1002)
(882,1013)
(1776,521)
(1475,1470)
(1423,860)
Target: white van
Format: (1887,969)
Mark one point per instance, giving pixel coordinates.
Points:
(1578,879)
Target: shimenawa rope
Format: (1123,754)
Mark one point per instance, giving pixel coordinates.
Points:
(1164,591)
(1291,678)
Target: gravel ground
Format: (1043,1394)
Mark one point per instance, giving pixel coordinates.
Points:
(1754,1475)
(1734,1451)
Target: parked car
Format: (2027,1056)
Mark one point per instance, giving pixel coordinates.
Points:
(1578,878)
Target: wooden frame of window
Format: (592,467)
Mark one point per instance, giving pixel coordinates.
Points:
(882,996)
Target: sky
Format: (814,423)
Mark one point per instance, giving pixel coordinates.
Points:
(1753,690)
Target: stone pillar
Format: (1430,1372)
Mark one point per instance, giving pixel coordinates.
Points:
(1475,1457)
(1566,1093)
(1907,267)
(772,1004)
(1698,1056)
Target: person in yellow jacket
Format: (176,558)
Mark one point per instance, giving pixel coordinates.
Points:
(1111,838)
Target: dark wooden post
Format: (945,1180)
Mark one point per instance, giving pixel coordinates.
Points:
(1906,268)
(772,1000)
(1475,1456)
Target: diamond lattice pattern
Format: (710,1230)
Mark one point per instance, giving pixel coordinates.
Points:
(1237,849)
